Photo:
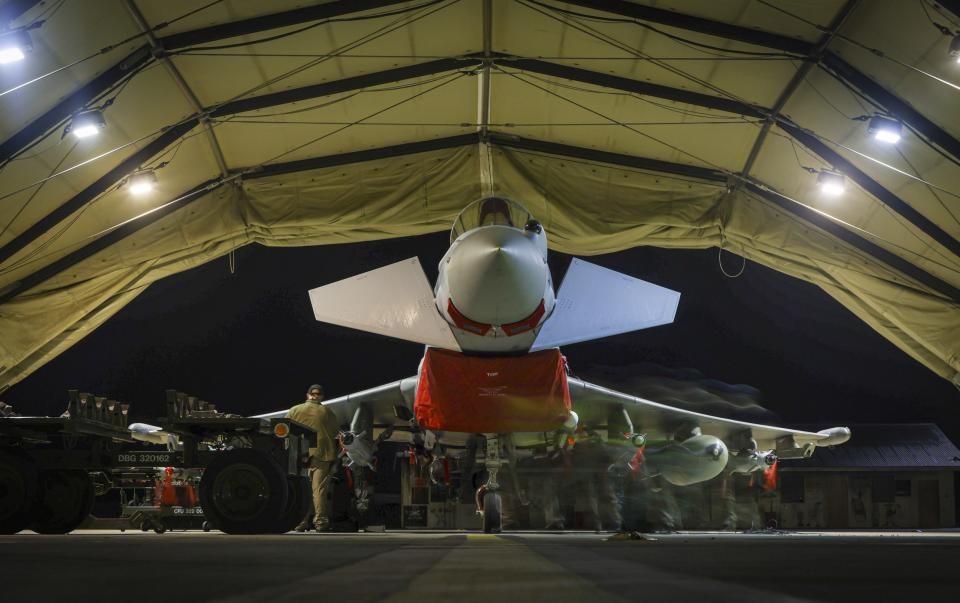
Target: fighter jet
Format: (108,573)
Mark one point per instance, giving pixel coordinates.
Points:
(493,383)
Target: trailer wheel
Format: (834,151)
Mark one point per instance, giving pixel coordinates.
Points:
(65,499)
(244,491)
(18,485)
(298,503)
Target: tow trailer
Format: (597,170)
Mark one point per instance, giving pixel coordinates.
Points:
(253,470)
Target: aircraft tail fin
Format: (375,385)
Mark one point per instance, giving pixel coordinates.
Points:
(395,300)
(595,302)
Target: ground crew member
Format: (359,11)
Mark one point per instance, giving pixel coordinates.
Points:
(315,415)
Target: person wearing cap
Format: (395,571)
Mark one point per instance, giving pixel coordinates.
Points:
(315,415)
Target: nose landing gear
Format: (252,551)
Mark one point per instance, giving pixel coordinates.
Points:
(488,496)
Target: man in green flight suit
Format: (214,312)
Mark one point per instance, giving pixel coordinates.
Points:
(315,415)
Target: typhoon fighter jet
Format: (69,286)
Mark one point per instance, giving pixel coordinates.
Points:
(493,383)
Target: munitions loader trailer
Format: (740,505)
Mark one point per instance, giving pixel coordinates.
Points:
(253,470)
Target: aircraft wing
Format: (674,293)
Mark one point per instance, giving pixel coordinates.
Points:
(597,405)
(381,400)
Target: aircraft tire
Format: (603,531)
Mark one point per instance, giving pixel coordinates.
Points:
(244,491)
(492,513)
(18,486)
(64,501)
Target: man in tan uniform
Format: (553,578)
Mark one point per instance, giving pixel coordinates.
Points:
(315,415)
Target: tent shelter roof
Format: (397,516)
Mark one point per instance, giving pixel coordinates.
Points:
(674,123)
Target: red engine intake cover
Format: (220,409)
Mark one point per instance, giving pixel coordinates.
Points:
(492,395)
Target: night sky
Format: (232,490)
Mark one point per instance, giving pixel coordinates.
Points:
(248,341)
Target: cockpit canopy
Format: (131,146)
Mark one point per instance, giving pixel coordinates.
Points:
(487,212)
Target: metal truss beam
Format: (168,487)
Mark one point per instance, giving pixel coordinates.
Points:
(197,192)
(137,59)
(616,82)
(296,16)
(507,141)
(171,135)
(890,102)
(868,247)
(114,236)
(808,215)
(408,148)
(870,185)
(733,106)
(595,155)
(787,93)
(719,29)
(99,186)
(388,76)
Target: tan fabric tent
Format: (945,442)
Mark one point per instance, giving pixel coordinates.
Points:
(677,124)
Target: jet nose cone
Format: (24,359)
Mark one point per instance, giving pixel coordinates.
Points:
(497,275)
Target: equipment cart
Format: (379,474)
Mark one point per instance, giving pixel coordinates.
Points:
(253,470)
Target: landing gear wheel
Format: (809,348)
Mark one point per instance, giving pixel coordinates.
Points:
(492,513)
(64,499)
(243,491)
(298,504)
(18,486)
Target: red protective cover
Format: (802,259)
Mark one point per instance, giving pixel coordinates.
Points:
(492,395)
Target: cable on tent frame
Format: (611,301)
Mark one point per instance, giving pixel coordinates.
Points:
(288,34)
(359,42)
(859,95)
(105,50)
(317,55)
(33,258)
(680,39)
(607,91)
(879,53)
(723,270)
(572,23)
(755,183)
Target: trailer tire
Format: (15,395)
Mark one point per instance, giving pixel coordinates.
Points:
(244,491)
(18,487)
(64,501)
(298,503)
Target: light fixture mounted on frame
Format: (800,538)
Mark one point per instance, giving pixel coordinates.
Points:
(142,182)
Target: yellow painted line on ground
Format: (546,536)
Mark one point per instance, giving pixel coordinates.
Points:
(485,538)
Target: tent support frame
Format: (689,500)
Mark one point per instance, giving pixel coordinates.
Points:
(888,101)
(503,140)
(141,56)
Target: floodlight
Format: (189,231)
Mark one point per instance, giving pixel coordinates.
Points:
(142,182)
(831,184)
(955,48)
(14,46)
(885,129)
(87,123)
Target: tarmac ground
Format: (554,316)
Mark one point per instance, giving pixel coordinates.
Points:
(463,567)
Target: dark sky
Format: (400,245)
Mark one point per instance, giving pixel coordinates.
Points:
(248,341)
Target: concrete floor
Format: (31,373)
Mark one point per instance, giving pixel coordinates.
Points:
(465,567)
